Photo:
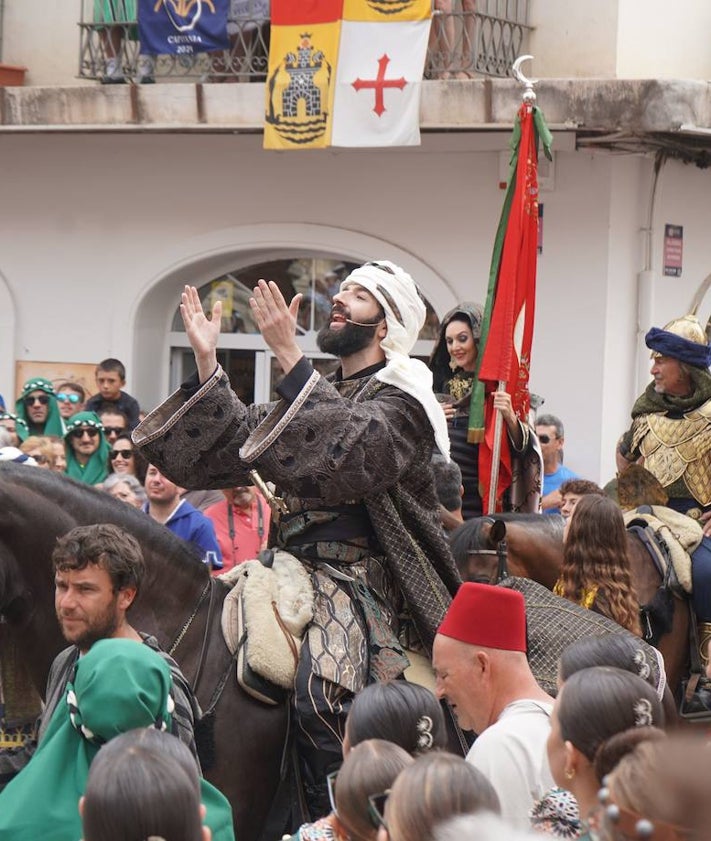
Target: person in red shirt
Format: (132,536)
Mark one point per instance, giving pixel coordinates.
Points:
(241,523)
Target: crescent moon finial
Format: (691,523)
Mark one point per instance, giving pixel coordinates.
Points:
(529,94)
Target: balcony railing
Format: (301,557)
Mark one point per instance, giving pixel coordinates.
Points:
(469,38)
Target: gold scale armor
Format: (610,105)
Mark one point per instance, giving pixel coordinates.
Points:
(678,450)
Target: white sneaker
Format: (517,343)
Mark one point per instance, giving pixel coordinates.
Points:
(114,72)
(144,70)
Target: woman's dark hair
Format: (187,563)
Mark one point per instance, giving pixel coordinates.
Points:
(595,556)
(370,768)
(617,650)
(469,314)
(140,463)
(400,712)
(596,704)
(435,787)
(137,788)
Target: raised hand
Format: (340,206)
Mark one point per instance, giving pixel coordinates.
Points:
(202,332)
(277,322)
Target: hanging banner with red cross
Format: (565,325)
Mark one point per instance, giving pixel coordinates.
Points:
(345,73)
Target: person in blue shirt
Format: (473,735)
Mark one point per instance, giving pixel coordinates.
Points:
(165,506)
(551,435)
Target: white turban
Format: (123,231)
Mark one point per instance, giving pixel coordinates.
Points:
(405,313)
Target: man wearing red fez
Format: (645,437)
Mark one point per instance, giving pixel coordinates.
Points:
(479,657)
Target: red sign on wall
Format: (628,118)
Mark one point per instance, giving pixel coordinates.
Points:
(673,248)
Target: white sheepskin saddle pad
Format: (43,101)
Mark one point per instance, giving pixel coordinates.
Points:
(270,608)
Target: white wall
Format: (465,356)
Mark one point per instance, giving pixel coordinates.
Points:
(658,39)
(573,40)
(43,36)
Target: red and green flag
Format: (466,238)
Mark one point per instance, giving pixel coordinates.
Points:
(507,326)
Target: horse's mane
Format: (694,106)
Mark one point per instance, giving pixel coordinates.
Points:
(88,505)
(469,534)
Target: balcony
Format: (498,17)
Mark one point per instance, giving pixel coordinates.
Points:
(469,39)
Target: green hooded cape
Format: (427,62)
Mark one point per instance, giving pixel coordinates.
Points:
(97,468)
(54,425)
(117,686)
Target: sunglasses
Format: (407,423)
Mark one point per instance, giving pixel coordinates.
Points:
(71,398)
(85,430)
(42,399)
(376,809)
(546,439)
(114,430)
(114,454)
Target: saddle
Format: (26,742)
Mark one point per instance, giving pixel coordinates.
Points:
(264,617)
(670,538)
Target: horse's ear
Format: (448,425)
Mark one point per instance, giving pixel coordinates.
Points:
(498,531)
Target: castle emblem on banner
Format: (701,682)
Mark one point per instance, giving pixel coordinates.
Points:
(298,94)
(391,7)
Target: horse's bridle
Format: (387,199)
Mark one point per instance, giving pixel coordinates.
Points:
(501,553)
(209,589)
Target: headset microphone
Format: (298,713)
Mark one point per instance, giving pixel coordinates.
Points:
(362,323)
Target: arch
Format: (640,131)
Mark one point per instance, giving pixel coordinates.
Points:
(207,256)
(8,326)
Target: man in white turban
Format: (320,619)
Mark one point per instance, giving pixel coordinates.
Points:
(350,453)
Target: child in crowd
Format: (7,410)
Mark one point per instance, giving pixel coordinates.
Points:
(110,379)
(71,397)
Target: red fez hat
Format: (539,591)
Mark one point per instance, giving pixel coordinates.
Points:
(482,614)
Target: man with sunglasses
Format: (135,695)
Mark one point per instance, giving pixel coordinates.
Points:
(351,455)
(115,423)
(37,406)
(87,449)
(70,397)
(549,430)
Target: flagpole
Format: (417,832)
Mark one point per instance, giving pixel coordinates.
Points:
(529,98)
(496,455)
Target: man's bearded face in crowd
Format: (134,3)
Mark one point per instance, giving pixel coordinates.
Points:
(341,338)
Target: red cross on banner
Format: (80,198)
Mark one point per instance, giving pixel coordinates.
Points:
(379,84)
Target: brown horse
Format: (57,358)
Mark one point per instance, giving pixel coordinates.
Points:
(179,603)
(531,546)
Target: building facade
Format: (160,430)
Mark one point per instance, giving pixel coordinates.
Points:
(115,197)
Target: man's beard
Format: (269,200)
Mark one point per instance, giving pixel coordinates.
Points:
(347,340)
(86,633)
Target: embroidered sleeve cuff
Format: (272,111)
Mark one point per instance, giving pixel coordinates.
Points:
(524,438)
(192,385)
(293,383)
(172,410)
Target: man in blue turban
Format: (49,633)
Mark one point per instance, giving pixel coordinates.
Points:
(671,431)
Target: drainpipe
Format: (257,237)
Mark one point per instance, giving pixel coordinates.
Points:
(645,284)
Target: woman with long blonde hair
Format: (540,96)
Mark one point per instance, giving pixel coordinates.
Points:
(596,566)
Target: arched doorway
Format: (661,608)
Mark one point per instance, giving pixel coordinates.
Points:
(242,352)
(160,347)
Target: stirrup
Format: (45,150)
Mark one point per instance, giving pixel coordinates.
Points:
(704,631)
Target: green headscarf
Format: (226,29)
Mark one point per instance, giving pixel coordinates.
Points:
(20,426)
(118,685)
(54,425)
(96,469)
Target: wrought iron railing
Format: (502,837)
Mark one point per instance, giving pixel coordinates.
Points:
(469,38)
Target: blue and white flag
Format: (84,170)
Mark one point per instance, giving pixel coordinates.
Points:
(182,27)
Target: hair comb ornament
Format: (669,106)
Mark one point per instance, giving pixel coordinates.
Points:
(626,824)
(640,661)
(425,740)
(643,713)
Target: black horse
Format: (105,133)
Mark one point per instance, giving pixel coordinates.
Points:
(179,603)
